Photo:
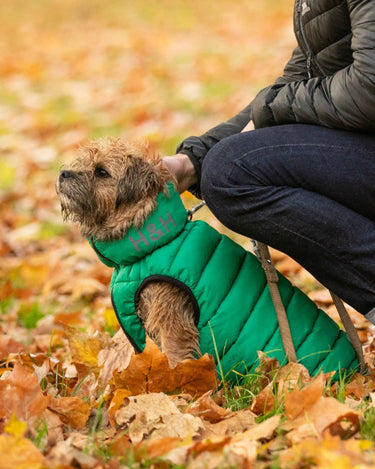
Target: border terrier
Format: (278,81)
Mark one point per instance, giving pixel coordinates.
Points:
(111,187)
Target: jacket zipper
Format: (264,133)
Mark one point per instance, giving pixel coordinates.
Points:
(306,46)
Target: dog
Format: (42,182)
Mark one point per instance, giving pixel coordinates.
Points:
(189,288)
(113,186)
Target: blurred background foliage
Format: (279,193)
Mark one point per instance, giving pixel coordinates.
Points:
(74,70)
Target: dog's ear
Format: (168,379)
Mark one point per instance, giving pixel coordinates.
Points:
(139,179)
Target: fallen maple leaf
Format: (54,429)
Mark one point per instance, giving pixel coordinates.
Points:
(15,427)
(19,453)
(116,356)
(298,401)
(263,430)
(155,415)
(311,414)
(116,402)
(235,422)
(64,455)
(329,452)
(85,348)
(73,411)
(149,372)
(264,401)
(206,408)
(20,394)
(9,345)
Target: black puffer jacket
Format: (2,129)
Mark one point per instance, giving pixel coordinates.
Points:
(329,80)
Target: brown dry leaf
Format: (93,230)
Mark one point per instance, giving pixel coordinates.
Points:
(9,345)
(85,348)
(196,377)
(72,411)
(311,414)
(267,368)
(291,374)
(206,408)
(360,386)
(19,453)
(159,447)
(54,427)
(298,401)
(288,266)
(72,319)
(264,401)
(63,454)
(117,401)
(223,452)
(87,288)
(235,422)
(115,357)
(21,394)
(149,372)
(322,296)
(263,430)
(154,416)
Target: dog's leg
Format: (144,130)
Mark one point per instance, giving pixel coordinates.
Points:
(168,318)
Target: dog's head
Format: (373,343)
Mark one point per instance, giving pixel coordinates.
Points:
(111,186)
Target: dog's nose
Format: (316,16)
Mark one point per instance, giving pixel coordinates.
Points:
(66,174)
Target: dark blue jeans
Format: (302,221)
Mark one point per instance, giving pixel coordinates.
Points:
(305,190)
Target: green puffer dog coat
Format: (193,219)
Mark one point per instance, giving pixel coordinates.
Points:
(235,315)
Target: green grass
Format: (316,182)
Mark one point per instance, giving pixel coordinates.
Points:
(367,428)
(29,315)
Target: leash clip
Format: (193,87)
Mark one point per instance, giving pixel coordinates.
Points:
(195,209)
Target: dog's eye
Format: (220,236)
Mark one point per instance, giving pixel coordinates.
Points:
(101,173)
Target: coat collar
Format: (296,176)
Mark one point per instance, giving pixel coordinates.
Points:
(165,223)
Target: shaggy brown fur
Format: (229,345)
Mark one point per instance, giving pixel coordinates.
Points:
(110,187)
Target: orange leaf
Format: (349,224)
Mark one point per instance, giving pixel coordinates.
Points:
(311,414)
(159,447)
(116,402)
(72,411)
(265,400)
(21,394)
(149,372)
(9,345)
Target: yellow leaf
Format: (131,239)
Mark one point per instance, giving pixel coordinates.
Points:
(85,348)
(15,427)
(19,453)
(110,318)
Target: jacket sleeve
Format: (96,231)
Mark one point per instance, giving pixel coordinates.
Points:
(197,147)
(345,99)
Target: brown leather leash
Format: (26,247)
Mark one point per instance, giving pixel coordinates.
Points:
(262,252)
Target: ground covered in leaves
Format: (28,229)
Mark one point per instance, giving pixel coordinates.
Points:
(72,393)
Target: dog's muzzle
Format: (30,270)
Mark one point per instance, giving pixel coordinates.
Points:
(65,175)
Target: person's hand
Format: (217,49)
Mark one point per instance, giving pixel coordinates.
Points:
(182,169)
(249,126)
